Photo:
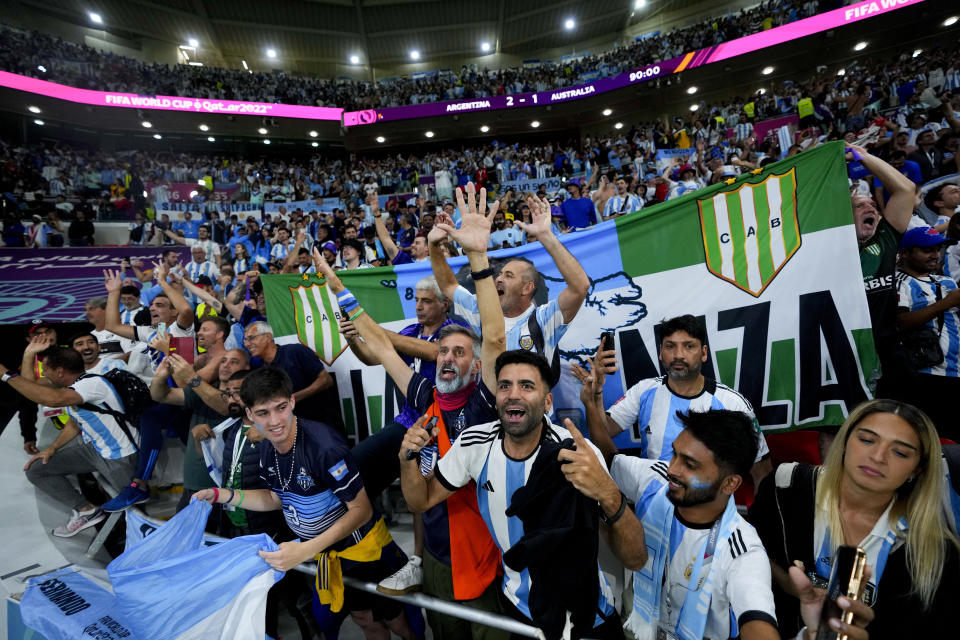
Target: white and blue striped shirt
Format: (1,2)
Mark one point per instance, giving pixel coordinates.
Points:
(279,251)
(147,334)
(101,429)
(518,332)
(615,205)
(477,454)
(916,294)
(196,269)
(107,364)
(743,131)
(127,315)
(647,413)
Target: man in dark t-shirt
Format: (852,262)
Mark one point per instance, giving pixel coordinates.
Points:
(879,239)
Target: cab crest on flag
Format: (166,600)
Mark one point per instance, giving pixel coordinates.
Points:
(317,316)
(751,232)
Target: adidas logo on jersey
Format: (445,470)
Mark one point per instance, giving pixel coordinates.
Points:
(487,486)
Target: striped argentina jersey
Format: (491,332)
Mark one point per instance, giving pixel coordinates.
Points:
(127,315)
(518,331)
(622,204)
(100,429)
(740,569)
(147,334)
(647,413)
(478,455)
(322,478)
(918,293)
(196,269)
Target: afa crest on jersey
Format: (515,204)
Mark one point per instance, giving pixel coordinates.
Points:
(304,479)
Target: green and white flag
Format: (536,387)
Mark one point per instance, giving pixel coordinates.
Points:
(769,260)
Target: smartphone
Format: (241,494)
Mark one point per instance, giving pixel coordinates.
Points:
(183,347)
(607,340)
(161,329)
(847,580)
(411,454)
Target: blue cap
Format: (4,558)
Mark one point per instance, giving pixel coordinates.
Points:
(923,237)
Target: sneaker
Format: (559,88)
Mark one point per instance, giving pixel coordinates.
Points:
(79,521)
(408,578)
(130,496)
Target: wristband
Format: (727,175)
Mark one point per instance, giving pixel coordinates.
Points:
(612,520)
(241,498)
(483,273)
(347,301)
(230,499)
(9,375)
(216,495)
(359,312)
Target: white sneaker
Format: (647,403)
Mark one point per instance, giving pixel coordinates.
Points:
(408,578)
(79,521)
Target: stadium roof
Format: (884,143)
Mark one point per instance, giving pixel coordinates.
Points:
(310,35)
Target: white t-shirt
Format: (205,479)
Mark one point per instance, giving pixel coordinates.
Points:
(477,454)
(211,247)
(101,429)
(104,365)
(740,569)
(111,345)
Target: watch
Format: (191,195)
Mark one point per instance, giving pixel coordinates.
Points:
(8,375)
(483,273)
(611,520)
(195,382)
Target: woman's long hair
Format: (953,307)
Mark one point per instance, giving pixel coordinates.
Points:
(918,500)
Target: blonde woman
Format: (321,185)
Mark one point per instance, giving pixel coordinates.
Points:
(880,488)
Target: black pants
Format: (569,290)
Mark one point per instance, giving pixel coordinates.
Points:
(610,629)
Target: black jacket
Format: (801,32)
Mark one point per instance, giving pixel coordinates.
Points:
(783,518)
(559,546)
(269,522)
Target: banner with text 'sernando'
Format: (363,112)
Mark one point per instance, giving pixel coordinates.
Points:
(768,260)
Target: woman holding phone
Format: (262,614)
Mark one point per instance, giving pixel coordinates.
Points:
(880,488)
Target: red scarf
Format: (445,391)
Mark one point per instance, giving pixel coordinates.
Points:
(455,400)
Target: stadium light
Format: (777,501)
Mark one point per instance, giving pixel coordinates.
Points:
(313,134)
(381,139)
(484,128)
(607,112)
(767,71)
(33,109)
(917,52)
(414,54)
(262,131)
(39,122)
(314,144)
(211,139)
(485,47)
(271,53)
(429,134)
(204,127)
(246,68)
(761,91)
(569,24)
(41,68)
(694,107)
(266,142)
(157,136)
(860,46)
(95,17)
(146,124)
(194,63)
(841,72)
(535,124)
(194,42)
(949,22)
(354,59)
(640,4)
(619,125)
(691,90)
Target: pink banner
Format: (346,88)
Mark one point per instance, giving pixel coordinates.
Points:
(761,129)
(806,27)
(167,103)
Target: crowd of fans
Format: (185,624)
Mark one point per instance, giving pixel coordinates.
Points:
(476,426)
(42,56)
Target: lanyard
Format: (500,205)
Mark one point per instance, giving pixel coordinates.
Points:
(701,566)
(239,440)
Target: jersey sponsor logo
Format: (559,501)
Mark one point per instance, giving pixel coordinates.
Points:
(751,232)
(304,479)
(873,249)
(883,282)
(317,316)
(339,470)
(487,486)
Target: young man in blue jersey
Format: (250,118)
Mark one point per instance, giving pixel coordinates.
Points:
(314,481)
(646,415)
(516,285)
(930,301)
(459,560)
(707,574)
(105,446)
(499,457)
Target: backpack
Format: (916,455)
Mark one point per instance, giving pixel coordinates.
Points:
(134,393)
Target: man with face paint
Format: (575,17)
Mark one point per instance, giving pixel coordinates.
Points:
(314,481)
(650,409)
(460,559)
(700,550)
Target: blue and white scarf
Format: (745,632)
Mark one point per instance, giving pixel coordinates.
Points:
(656,512)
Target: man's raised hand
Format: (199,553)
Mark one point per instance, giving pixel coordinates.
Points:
(474,232)
(324,269)
(539,216)
(113,280)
